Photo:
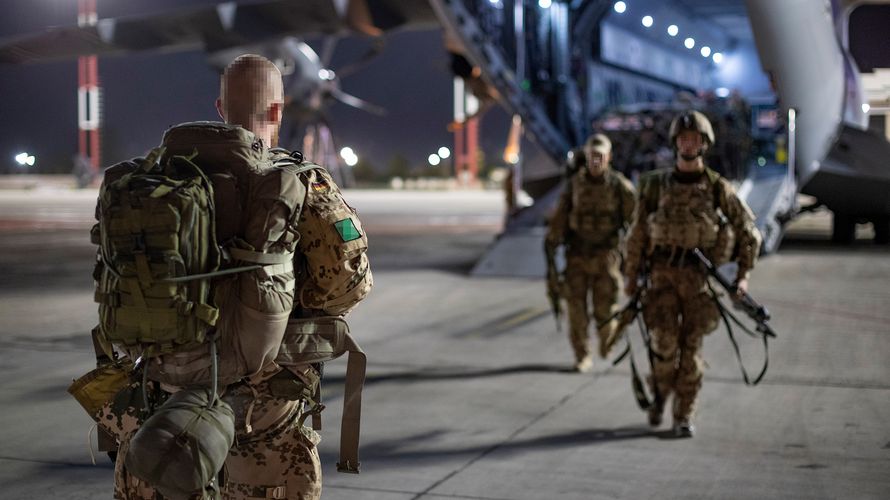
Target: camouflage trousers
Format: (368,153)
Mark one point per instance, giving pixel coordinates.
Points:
(595,275)
(274,455)
(679,311)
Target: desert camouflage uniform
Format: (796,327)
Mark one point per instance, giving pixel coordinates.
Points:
(588,220)
(678,212)
(274,454)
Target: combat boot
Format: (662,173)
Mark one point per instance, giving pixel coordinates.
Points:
(584,364)
(683,428)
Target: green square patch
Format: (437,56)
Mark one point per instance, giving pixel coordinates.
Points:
(347,230)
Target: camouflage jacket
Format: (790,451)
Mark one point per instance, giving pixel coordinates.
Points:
(592,212)
(336,274)
(737,213)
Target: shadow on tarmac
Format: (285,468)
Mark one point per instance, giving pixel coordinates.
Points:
(394,452)
(432,374)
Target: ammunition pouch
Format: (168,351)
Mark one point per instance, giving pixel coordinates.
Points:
(100,385)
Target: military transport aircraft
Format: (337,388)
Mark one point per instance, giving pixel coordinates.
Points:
(558,65)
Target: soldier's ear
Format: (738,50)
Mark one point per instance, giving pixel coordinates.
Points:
(275,112)
(219,108)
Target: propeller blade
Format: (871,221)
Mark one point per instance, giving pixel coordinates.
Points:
(377,46)
(355,102)
(328,49)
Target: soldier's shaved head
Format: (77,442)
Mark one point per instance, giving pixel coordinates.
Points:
(251,94)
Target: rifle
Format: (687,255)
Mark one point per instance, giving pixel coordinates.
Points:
(745,302)
(553,284)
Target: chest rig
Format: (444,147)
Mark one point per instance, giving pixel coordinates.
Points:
(597,212)
(687,215)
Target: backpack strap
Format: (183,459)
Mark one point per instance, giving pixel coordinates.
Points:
(315,340)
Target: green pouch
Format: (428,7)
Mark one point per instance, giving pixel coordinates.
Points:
(101,385)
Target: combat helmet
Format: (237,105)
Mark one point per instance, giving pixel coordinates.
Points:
(692,120)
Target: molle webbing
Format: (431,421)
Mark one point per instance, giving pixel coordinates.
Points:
(156,232)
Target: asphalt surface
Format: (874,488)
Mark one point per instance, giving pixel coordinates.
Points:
(469,393)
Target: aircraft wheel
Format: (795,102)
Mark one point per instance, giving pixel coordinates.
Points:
(843,230)
(882,230)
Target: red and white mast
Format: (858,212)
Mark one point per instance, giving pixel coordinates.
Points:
(88,115)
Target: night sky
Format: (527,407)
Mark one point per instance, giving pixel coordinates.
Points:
(145,93)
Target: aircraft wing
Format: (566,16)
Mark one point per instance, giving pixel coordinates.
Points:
(217,27)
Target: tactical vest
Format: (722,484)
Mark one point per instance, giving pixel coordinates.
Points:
(687,216)
(597,212)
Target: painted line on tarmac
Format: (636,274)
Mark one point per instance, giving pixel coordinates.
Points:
(559,404)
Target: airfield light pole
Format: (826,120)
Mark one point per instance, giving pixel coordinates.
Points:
(466,134)
(88,94)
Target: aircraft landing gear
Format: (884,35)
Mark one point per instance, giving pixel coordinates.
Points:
(882,230)
(843,229)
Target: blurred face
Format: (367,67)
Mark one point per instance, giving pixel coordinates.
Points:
(597,162)
(689,147)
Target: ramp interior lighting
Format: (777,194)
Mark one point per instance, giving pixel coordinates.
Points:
(544,4)
(689,43)
(717,57)
(648,21)
(434,159)
(865,109)
(444,152)
(673,30)
(620,7)
(705,51)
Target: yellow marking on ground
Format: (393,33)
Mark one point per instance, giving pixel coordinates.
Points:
(522,316)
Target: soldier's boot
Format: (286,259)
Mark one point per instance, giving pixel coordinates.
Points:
(605,334)
(584,365)
(656,413)
(683,428)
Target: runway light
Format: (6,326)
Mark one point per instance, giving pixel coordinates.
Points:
(865,107)
(349,156)
(620,7)
(25,159)
(544,4)
(689,43)
(444,152)
(705,51)
(434,159)
(717,57)
(722,92)
(648,21)
(673,30)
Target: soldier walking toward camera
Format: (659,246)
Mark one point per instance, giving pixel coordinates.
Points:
(593,211)
(681,209)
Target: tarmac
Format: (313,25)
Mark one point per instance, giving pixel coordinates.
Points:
(469,393)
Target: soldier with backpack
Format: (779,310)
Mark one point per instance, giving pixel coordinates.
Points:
(592,213)
(225,269)
(681,210)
